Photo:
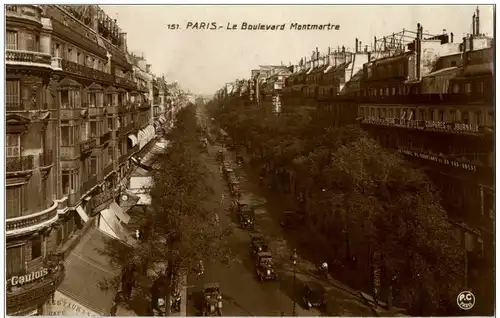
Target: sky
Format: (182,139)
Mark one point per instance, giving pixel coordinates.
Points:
(202,61)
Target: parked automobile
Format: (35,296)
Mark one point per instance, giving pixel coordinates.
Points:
(264,266)
(313,295)
(213,300)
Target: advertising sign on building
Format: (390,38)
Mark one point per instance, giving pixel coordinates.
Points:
(61,305)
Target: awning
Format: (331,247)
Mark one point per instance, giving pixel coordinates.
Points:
(110,224)
(82,213)
(117,210)
(85,269)
(145,199)
(133,139)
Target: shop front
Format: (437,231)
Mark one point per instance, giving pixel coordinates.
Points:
(28,291)
(88,270)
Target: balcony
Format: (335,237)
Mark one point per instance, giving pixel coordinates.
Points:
(31,220)
(23,57)
(123,158)
(105,138)
(69,152)
(144,106)
(85,71)
(37,291)
(18,164)
(111,110)
(429,125)
(96,111)
(89,184)
(126,129)
(24,11)
(108,169)
(125,82)
(87,145)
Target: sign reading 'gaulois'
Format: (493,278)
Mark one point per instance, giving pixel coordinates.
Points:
(23,279)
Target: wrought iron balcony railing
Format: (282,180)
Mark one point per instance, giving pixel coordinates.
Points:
(82,70)
(20,163)
(30,220)
(28,57)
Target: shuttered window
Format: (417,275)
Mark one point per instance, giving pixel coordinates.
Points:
(13,145)
(13,202)
(12,95)
(11,40)
(15,260)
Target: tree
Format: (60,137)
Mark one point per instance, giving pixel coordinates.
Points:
(182,231)
(394,208)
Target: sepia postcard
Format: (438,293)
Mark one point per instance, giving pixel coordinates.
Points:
(249,160)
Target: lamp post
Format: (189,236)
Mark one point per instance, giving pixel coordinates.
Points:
(294,260)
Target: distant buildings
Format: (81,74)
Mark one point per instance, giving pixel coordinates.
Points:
(426,96)
(79,108)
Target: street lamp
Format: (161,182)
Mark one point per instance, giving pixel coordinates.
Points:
(294,260)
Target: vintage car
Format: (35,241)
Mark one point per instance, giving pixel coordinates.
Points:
(291,219)
(240,203)
(234,187)
(213,300)
(228,173)
(258,244)
(247,217)
(220,155)
(264,266)
(239,160)
(313,295)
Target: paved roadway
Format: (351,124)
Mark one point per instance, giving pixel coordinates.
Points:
(243,293)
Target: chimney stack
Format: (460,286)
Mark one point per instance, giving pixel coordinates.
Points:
(451,37)
(477,20)
(474,24)
(360,46)
(366,48)
(357,43)
(148,68)
(123,41)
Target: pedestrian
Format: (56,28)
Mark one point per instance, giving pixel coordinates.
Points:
(222,198)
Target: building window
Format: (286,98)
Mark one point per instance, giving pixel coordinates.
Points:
(453,63)
(15,260)
(479,120)
(110,154)
(92,99)
(31,42)
(422,115)
(70,99)
(13,145)
(453,115)
(14,201)
(441,115)
(68,137)
(480,87)
(93,166)
(11,40)
(69,182)
(36,247)
(12,95)
(468,88)
(93,129)
(110,124)
(491,119)
(465,118)
(456,88)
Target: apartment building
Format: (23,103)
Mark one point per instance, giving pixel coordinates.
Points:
(76,113)
(433,103)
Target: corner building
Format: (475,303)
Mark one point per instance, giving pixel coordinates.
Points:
(74,111)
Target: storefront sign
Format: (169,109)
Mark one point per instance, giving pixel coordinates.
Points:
(62,305)
(28,278)
(420,124)
(101,201)
(438,159)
